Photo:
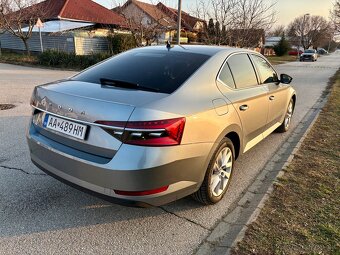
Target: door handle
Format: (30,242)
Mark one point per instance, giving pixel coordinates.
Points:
(244,107)
(271,98)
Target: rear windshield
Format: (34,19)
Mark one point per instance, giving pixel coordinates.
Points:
(163,71)
(309,51)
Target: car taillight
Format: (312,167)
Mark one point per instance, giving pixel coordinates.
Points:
(147,133)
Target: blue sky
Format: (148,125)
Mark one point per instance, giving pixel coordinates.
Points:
(286,10)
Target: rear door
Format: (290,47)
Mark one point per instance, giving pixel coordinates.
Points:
(248,97)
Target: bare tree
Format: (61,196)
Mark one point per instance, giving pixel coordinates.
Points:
(19,14)
(223,12)
(335,15)
(277,31)
(251,18)
(201,9)
(309,30)
(241,20)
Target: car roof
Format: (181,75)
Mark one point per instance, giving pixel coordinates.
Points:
(198,49)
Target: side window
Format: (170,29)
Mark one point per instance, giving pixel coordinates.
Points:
(242,70)
(267,73)
(226,76)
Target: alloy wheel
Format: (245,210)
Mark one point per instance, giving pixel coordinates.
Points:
(221,172)
(289,114)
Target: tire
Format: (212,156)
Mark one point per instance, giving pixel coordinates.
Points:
(288,117)
(218,174)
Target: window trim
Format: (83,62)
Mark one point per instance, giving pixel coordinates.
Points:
(258,72)
(232,76)
(226,62)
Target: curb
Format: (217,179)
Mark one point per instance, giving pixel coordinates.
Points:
(231,229)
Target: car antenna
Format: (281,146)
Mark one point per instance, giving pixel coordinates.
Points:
(168,45)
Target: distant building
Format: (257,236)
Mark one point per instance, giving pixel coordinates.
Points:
(71,27)
(271,41)
(159,20)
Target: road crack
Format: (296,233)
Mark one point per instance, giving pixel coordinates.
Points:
(181,217)
(22,170)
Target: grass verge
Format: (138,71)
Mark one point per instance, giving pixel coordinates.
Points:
(302,214)
(18,59)
(275,60)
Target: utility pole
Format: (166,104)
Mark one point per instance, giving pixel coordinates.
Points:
(179,17)
(39,24)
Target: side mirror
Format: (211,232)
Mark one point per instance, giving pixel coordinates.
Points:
(285,78)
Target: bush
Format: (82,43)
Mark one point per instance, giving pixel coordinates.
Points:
(121,42)
(53,58)
(282,47)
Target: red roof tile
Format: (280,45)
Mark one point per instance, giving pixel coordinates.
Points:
(80,10)
(188,21)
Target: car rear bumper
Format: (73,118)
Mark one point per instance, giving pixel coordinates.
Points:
(133,168)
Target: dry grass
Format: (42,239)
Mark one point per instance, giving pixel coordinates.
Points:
(16,58)
(275,60)
(302,215)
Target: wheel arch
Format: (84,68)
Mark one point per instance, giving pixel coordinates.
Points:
(232,132)
(235,139)
(294,100)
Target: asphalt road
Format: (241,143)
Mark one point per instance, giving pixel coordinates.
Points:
(39,215)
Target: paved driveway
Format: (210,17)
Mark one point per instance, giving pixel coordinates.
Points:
(40,215)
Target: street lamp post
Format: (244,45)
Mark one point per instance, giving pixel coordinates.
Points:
(301,37)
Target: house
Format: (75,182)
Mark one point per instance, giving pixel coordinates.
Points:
(188,23)
(78,26)
(158,22)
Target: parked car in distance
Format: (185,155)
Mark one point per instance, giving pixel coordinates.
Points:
(294,52)
(322,51)
(309,54)
(155,124)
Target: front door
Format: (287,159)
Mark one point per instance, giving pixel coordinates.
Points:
(276,93)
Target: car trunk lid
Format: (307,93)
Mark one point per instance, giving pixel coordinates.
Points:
(86,103)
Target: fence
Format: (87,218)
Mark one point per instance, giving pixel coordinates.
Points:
(65,42)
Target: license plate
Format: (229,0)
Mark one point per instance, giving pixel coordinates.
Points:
(64,126)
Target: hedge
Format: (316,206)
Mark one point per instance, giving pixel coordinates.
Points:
(53,58)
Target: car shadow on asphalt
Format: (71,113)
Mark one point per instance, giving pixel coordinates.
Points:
(39,203)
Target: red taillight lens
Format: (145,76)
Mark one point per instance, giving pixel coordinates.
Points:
(148,133)
(141,193)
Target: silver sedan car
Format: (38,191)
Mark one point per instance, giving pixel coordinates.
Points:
(155,124)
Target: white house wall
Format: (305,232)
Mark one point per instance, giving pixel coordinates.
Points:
(135,13)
